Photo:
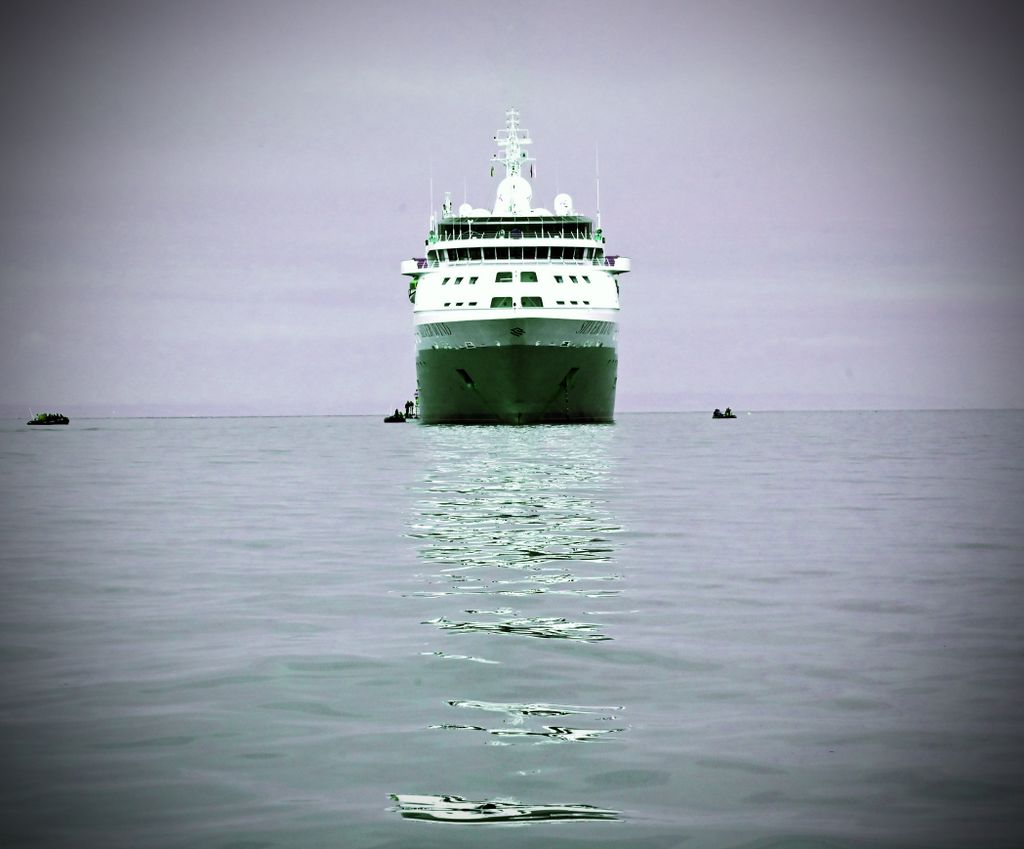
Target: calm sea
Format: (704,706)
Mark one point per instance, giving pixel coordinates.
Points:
(786,630)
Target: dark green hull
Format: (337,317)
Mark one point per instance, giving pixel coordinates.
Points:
(516,384)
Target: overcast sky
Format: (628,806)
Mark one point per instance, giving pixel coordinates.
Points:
(205,203)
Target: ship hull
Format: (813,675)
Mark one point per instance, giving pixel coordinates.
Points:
(517,384)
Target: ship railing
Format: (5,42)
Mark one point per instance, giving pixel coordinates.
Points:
(611,261)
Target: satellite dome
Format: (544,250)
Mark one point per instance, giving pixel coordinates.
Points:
(563,204)
(465,209)
(514,196)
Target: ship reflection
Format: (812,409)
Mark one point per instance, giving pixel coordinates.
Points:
(514,513)
(514,529)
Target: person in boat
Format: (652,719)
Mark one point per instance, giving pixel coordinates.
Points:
(717,413)
(728,411)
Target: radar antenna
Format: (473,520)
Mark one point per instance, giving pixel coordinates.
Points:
(511,140)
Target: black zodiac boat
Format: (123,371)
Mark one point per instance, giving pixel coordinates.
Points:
(49,419)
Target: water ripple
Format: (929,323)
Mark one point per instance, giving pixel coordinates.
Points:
(447,656)
(557,733)
(455,809)
(535,709)
(545,627)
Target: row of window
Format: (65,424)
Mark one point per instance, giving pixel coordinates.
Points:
(512,229)
(525,301)
(518,252)
(506,277)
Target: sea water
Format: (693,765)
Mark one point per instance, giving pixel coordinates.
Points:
(783,630)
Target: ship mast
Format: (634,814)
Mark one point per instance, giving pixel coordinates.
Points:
(512,140)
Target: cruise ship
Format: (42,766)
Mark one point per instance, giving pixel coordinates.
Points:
(515,308)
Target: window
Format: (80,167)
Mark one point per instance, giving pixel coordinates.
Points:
(472,281)
(587,303)
(528,277)
(573,303)
(447,303)
(458,280)
(586,279)
(459,303)
(503,277)
(560,302)
(446,279)
(572,277)
(472,303)
(500,302)
(532,301)
(558,278)
(490,253)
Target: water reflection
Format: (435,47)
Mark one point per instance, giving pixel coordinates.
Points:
(549,733)
(526,718)
(519,516)
(545,627)
(514,514)
(457,809)
(536,709)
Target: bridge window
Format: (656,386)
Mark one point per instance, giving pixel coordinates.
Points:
(532,301)
(558,278)
(528,277)
(500,302)
(572,277)
(503,277)
(586,279)
(445,281)
(472,281)
(458,280)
